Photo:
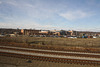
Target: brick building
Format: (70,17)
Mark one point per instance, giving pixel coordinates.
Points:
(30,32)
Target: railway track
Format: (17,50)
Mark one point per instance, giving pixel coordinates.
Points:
(52,56)
(93,55)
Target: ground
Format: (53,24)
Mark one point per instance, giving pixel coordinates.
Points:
(18,62)
(88,45)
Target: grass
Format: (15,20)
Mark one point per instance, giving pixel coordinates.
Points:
(79,44)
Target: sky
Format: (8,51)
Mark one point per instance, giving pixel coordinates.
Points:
(80,15)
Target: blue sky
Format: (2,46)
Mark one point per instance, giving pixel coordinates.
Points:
(50,14)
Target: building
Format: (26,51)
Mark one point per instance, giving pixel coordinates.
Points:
(4,31)
(87,33)
(44,32)
(71,33)
(30,32)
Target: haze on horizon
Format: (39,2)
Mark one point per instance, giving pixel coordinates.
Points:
(81,15)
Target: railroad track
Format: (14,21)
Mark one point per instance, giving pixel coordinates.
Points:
(92,55)
(52,56)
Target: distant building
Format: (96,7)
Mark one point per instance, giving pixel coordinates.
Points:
(4,31)
(46,32)
(87,33)
(58,32)
(49,33)
(71,33)
(63,32)
(30,32)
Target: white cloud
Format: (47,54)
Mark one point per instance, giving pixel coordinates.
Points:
(8,25)
(35,25)
(12,2)
(0,2)
(38,9)
(32,25)
(73,15)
